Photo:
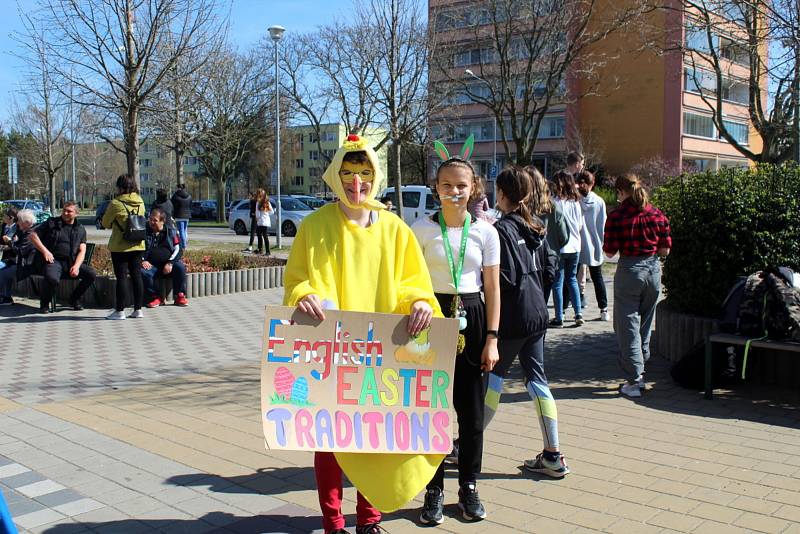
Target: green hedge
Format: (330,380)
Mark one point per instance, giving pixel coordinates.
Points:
(726,224)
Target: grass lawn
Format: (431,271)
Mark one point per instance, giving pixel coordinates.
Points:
(227,247)
(207,224)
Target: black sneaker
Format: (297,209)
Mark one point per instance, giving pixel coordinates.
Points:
(76,305)
(44,309)
(469,503)
(372,528)
(433,509)
(6,301)
(555,323)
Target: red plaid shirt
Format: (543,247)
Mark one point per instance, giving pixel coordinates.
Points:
(636,233)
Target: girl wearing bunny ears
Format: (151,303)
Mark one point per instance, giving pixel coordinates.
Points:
(463,257)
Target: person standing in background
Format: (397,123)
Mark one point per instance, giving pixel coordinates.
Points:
(591,256)
(566,197)
(263,209)
(252,205)
(182,206)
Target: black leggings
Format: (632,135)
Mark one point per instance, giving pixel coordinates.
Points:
(468,391)
(261,231)
(128,263)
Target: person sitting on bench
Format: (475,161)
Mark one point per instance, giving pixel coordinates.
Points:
(61,241)
(162,257)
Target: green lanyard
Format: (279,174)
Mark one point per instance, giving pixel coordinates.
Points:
(455,272)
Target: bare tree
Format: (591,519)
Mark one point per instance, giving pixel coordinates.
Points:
(117,53)
(527,58)
(42,111)
(231,116)
(401,47)
(747,51)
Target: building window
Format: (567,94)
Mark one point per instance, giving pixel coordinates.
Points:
(329,153)
(190,160)
(699,125)
(699,81)
(739,131)
(146,162)
(297,180)
(330,137)
(314,172)
(298,164)
(145,177)
(313,155)
(312,138)
(734,91)
(552,128)
(734,51)
(696,38)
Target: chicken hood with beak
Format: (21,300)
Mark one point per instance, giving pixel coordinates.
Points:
(354,143)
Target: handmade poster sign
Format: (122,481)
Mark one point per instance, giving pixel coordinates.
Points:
(357,382)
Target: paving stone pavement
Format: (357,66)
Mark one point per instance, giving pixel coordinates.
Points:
(179,447)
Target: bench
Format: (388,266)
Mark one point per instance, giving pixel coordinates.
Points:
(731,339)
(87,259)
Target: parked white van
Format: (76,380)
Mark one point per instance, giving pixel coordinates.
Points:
(418,202)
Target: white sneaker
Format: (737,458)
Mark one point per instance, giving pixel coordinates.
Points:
(641,382)
(604,315)
(137,314)
(630,390)
(116,316)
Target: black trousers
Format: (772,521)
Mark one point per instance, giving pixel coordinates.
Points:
(252,229)
(468,391)
(54,272)
(128,263)
(596,274)
(263,236)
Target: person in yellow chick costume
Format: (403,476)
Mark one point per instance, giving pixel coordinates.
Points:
(354,255)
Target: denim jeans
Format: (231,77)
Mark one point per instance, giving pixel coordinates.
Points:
(183,231)
(178,276)
(567,269)
(637,284)
(8,276)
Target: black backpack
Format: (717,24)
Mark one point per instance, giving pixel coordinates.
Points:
(135,226)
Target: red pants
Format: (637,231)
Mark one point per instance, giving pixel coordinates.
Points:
(329,487)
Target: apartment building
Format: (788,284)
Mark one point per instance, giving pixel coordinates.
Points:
(306,157)
(646,108)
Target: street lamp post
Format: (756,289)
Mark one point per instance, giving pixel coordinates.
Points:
(469,72)
(275,33)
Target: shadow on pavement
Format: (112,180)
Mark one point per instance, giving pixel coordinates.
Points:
(224,522)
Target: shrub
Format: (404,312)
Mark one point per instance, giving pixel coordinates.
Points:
(196,261)
(726,224)
(608,194)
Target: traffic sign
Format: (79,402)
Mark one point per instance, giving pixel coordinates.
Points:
(13,170)
(492,172)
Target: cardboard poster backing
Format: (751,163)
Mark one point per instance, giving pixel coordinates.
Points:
(356,382)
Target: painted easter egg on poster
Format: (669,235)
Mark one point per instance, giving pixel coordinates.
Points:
(300,390)
(283,381)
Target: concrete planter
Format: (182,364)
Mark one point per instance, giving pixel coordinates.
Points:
(677,333)
(102,293)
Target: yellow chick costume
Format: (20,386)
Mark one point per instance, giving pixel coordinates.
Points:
(379,268)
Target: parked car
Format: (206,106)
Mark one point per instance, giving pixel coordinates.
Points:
(34,205)
(229,206)
(418,201)
(292,213)
(204,209)
(311,202)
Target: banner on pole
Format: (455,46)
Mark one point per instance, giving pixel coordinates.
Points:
(356,382)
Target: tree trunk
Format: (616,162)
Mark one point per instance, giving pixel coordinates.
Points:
(394,160)
(221,183)
(132,144)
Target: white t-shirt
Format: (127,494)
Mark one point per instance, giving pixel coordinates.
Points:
(483,250)
(573,216)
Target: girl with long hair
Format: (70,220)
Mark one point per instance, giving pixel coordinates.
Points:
(566,197)
(541,205)
(463,257)
(263,209)
(524,267)
(640,233)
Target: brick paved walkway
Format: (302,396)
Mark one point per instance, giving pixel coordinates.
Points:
(172,442)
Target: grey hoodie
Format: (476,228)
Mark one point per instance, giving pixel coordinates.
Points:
(594,219)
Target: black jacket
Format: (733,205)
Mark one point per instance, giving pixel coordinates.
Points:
(182,204)
(49,231)
(526,263)
(25,252)
(167,239)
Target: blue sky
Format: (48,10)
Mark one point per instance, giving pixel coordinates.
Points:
(249,21)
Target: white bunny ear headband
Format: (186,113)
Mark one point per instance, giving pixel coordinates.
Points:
(466,150)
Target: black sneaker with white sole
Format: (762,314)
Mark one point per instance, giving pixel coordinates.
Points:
(470,503)
(433,508)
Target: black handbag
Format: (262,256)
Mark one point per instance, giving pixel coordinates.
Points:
(135,226)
